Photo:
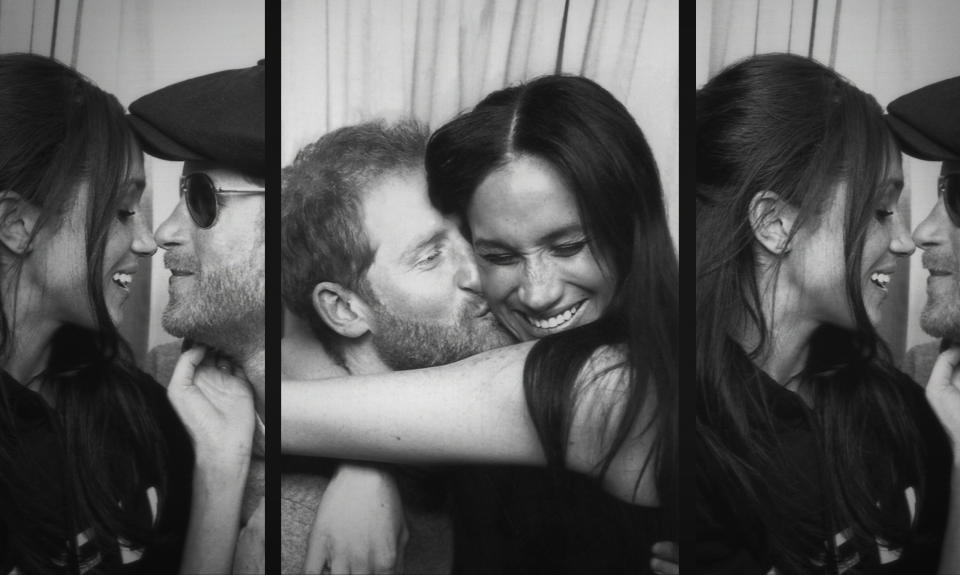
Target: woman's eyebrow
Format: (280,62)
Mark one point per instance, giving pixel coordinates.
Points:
(138,184)
(894,185)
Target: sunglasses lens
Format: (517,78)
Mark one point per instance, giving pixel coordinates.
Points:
(201,200)
(950,190)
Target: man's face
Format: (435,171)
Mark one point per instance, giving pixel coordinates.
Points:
(939,239)
(426,302)
(217,282)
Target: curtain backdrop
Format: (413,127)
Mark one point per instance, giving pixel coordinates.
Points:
(885,47)
(345,61)
(130,48)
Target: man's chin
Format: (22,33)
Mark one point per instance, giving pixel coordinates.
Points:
(941,321)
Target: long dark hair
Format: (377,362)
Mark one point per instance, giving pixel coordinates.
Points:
(790,125)
(594,142)
(59,130)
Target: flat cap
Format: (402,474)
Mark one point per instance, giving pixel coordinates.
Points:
(218,117)
(926,122)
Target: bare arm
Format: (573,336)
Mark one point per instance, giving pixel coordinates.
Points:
(216,407)
(472,411)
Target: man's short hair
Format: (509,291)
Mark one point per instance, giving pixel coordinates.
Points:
(322,233)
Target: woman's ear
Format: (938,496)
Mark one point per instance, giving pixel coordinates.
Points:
(772,221)
(341,309)
(17,220)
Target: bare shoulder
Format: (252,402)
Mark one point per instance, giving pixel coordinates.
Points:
(606,374)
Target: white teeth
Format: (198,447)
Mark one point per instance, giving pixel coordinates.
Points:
(122,279)
(880,279)
(556,320)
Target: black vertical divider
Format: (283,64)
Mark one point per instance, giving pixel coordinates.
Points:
(686,45)
(274,313)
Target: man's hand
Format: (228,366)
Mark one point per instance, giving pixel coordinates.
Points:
(943,393)
(215,405)
(360,526)
(666,558)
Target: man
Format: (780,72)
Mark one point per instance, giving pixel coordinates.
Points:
(926,123)
(214,242)
(382,281)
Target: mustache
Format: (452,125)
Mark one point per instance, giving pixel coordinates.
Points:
(939,260)
(180,261)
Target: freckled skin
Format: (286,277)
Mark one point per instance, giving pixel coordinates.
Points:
(534,256)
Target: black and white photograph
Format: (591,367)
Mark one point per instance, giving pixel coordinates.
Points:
(132,286)
(460,304)
(479,261)
(827,299)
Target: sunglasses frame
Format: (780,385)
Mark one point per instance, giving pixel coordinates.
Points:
(185,190)
(948,194)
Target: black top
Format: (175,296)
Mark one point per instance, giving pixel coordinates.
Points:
(518,520)
(726,546)
(43,458)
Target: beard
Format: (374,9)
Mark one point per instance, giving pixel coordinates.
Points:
(223,309)
(405,343)
(941,317)
(941,314)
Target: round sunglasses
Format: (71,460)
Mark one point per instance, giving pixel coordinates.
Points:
(948,187)
(200,194)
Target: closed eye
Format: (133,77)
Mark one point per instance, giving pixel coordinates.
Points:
(883,214)
(570,249)
(124,215)
(498,258)
(430,259)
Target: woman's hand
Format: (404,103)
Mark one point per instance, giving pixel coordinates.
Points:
(360,526)
(943,393)
(666,558)
(215,405)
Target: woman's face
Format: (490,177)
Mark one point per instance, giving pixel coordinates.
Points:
(819,268)
(536,261)
(63,261)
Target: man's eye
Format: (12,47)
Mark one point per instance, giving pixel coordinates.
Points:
(571,249)
(431,258)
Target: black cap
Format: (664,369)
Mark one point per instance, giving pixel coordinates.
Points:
(218,117)
(926,122)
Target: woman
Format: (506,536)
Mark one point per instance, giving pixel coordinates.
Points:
(814,453)
(562,200)
(94,464)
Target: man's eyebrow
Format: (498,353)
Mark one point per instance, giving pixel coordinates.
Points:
(432,239)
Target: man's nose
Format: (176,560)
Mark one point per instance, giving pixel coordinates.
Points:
(932,230)
(172,230)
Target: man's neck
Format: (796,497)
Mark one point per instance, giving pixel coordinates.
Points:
(362,359)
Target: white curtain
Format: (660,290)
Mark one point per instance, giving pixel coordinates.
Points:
(130,48)
(885,47)
(345,61)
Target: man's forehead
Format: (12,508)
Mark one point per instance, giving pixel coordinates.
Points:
(398,216)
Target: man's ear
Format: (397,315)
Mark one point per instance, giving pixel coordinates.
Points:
(341,309)
(17,220)
(772,221)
